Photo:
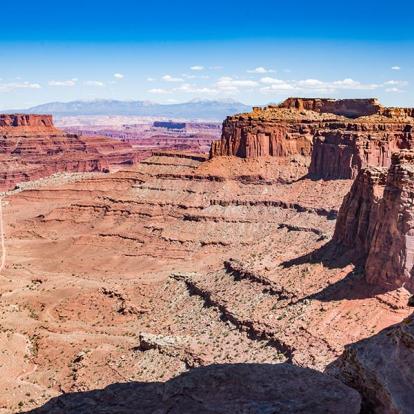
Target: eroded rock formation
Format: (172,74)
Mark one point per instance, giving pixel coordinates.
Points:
(376,221)
(351,108)
(25,120)
(390,262)
(31,147)
(340,136)
(358,214)
(137,276)
(381,368)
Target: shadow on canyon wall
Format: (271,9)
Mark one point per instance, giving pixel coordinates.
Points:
(218,389)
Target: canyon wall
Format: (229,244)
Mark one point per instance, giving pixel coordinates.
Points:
(22,120)
(390,262)
(339,136)
(31,148)
(376,222)
(341,149)
(247,137)
(358,214)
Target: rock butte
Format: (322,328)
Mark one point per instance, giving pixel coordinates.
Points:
(31,148)
(339,136)
(376,221)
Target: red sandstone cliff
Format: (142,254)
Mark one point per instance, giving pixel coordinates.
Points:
(248,137)
(24,120)
(31,148)
(340,136)
(358,214)
(390,261)
(376,221)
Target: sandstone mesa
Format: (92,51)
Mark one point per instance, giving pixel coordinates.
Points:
(340,136)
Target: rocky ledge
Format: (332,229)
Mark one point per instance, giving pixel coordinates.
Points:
(220,389)
(381,368)
(339,136)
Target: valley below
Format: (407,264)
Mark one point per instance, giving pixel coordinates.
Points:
(178,273)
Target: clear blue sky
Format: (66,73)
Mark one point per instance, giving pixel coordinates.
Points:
(255,51)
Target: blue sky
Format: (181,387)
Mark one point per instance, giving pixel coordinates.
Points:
(255,52)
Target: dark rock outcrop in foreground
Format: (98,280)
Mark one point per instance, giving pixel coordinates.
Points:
(219,389)
(381,368)
(31,148)
(376,222)
(340,136)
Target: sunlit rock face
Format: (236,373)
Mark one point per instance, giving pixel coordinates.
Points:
(376,221)
(339,136)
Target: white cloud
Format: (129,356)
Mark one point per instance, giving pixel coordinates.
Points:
(197,67)
(395,82)
(228,83)
(69,82)
(189,88)
(352,84)
(395,68)
(150,79)
(185,76)
(118,76)
(260,69)
(93,83)
(395,90)
(270,80)
(7,87)
(278,88)
(169,78)
(159,91)
(316,85)
(311,83)
(275,85)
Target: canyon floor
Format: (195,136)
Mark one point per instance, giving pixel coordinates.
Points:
(175,263)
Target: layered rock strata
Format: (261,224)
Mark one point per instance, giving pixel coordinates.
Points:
(140,275)
(340,136)
(376,221)
(31,148)
(26,120)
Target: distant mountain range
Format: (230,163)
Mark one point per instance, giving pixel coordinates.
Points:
(196,109)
